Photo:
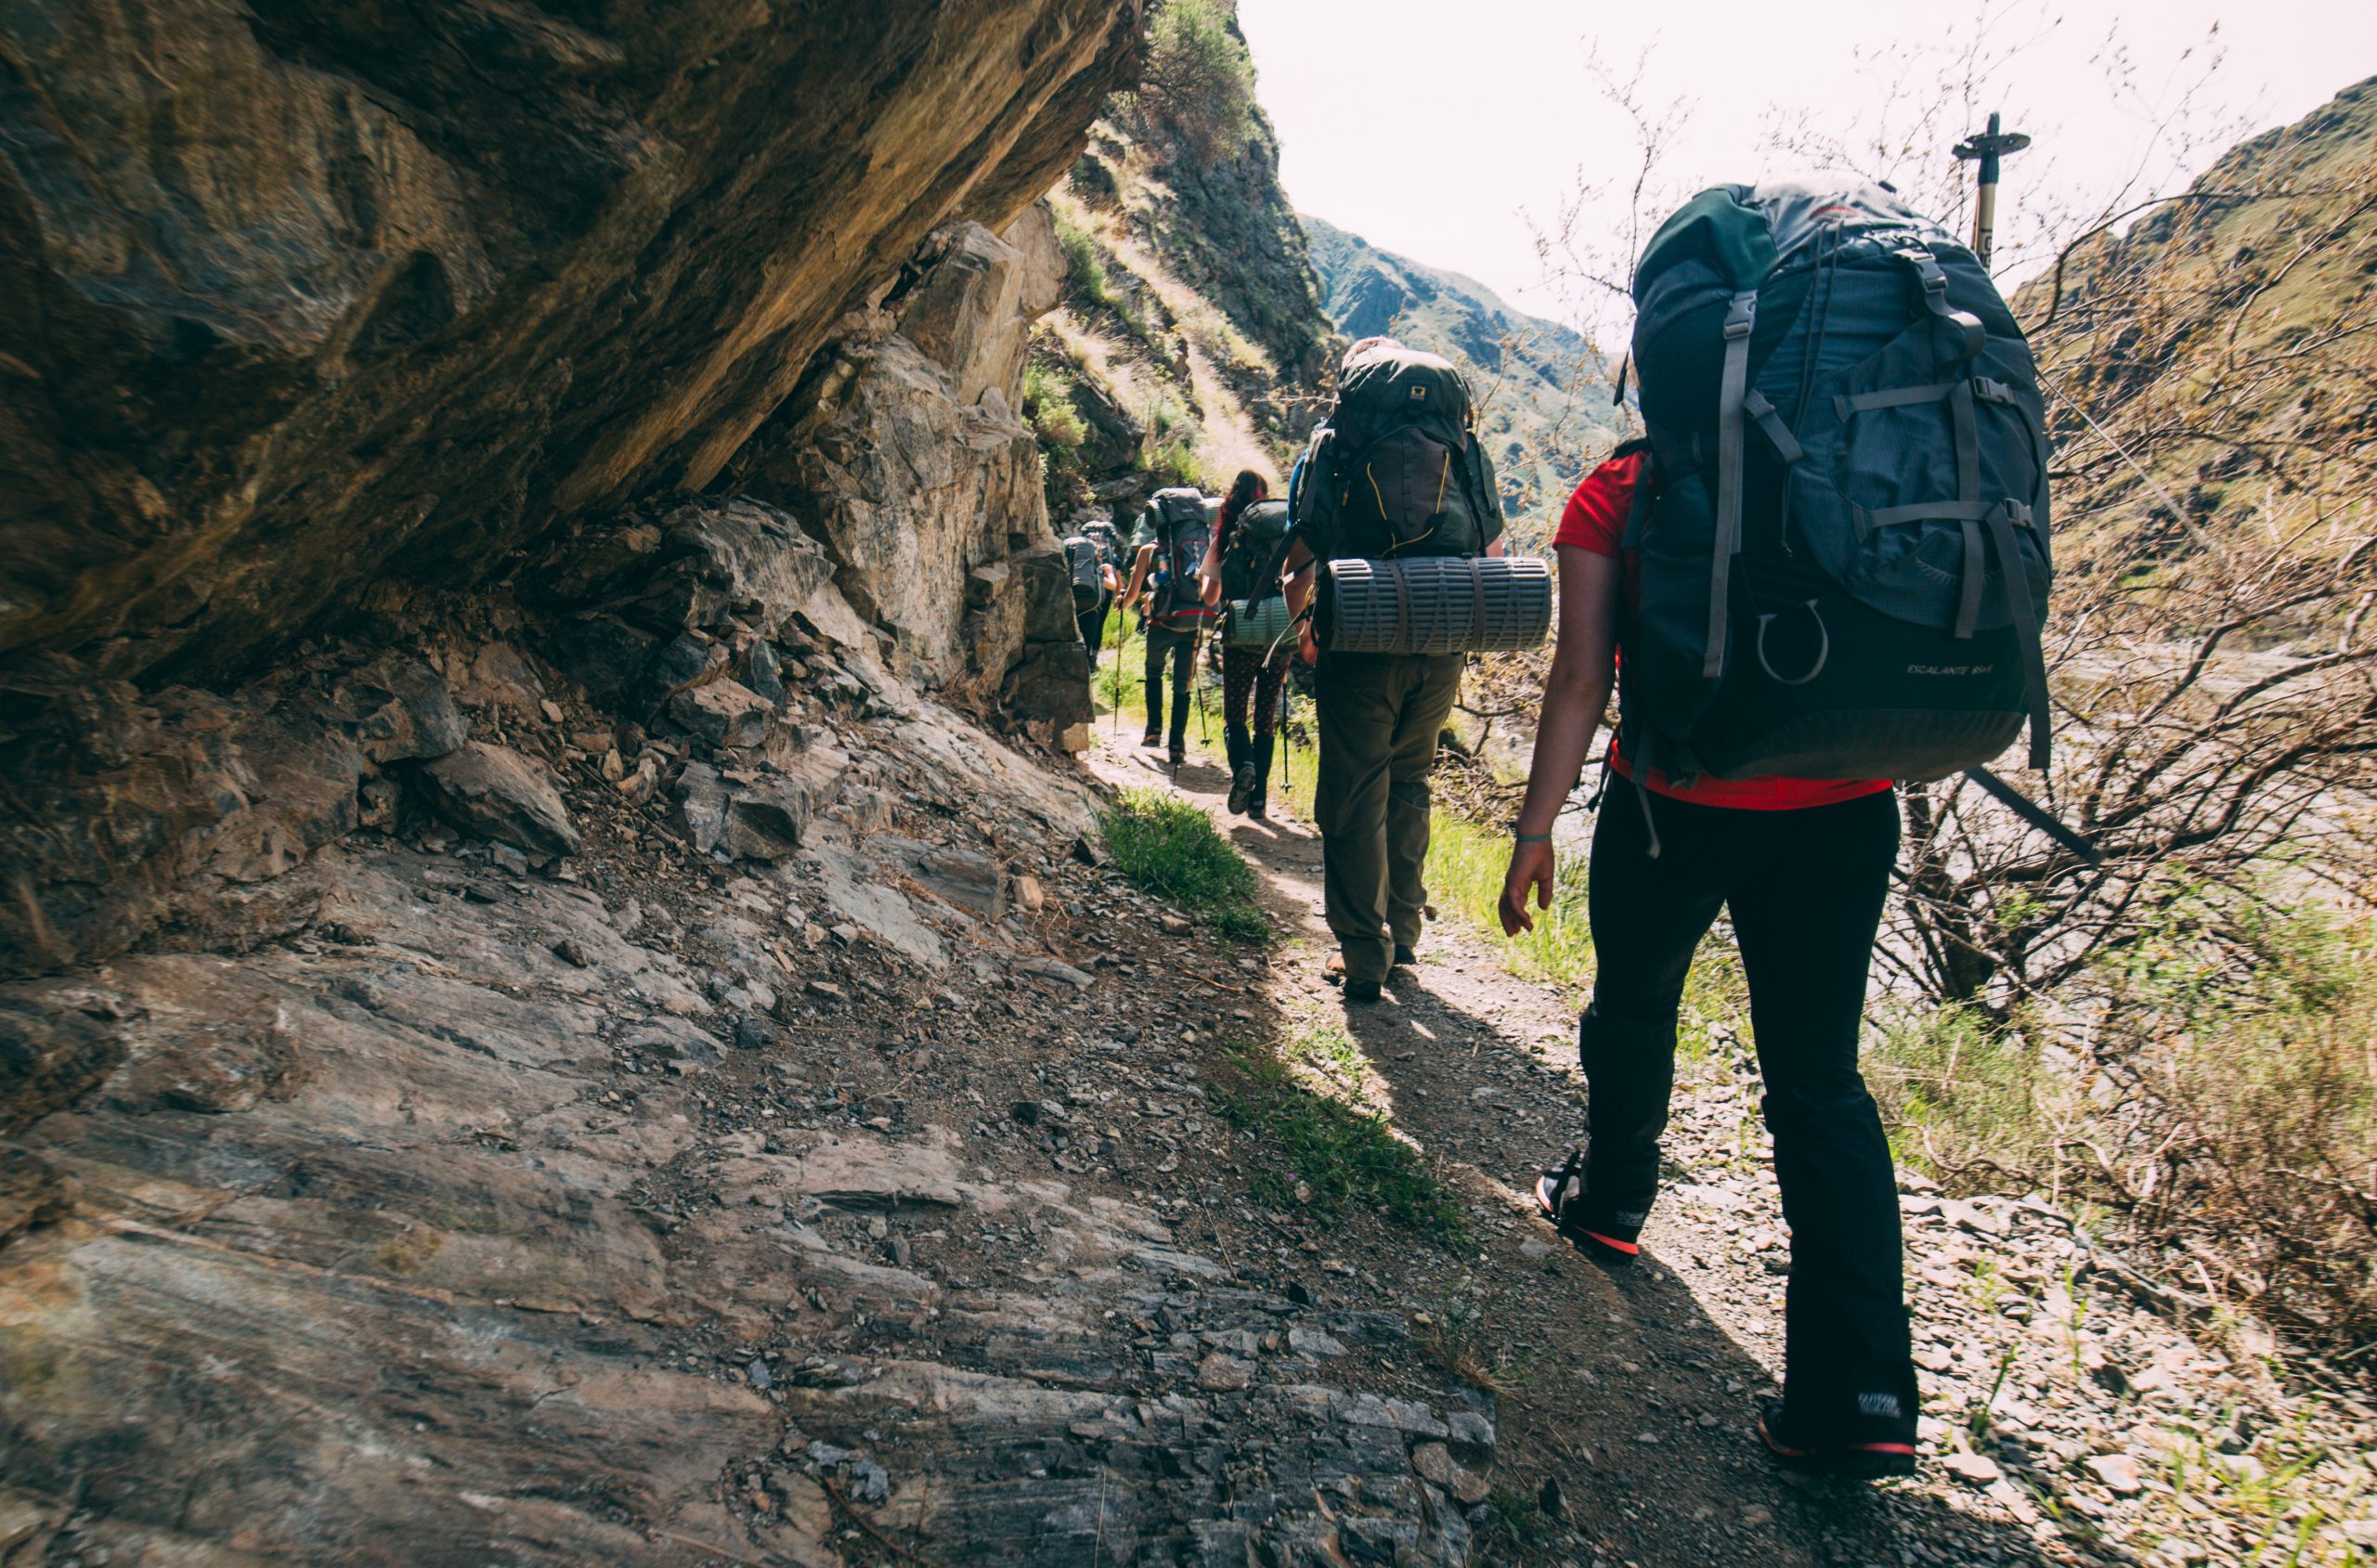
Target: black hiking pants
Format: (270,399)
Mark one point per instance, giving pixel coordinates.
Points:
(1180,647)
(1805,889)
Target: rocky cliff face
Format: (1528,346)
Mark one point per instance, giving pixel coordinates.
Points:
(306,296)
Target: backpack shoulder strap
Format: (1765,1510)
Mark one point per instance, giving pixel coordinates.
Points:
(1733,391)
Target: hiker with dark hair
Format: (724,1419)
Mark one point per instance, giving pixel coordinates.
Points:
(1167,584)
(1396,474)
(1824,571)
(1241,572)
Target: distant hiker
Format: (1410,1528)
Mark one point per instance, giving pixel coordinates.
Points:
(1824,571)
(1171,544)
(1396,474)
(1241,576)
(1090,557)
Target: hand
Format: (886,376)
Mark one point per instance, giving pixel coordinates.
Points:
(1307,645)
(1531,869)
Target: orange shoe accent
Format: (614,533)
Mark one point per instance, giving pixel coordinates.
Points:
(1628,1248)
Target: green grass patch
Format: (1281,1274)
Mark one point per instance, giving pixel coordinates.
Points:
(1171,849)
(1085,263)
(1343,1157)
(1466,864)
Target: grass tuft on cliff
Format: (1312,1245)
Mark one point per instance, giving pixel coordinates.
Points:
(1171,849)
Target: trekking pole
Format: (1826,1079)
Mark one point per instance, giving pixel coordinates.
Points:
(1986,148)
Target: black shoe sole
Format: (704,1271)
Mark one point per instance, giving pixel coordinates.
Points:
(1361,991)
(1601,1251)
(1844,1461)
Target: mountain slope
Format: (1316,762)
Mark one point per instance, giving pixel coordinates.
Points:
(1539,382)
(2225,341)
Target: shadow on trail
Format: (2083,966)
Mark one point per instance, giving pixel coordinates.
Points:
(1620,1382)
(1623,1386)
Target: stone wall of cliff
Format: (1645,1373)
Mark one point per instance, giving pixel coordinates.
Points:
(307,297)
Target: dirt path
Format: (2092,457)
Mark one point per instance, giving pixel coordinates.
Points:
(1625,1400)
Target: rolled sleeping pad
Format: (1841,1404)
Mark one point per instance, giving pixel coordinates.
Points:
(1436,605)
(1259,623)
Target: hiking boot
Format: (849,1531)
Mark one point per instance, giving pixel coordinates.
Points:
(1151,740)
(1361,993)
(1560,1196)
(1180,754)
(1241,789)
(1404,957)
(1883,1450)
(1256,808)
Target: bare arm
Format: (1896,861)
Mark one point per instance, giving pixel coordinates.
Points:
(1574,695)
(1300,571)
(1140,565)
(1209,571)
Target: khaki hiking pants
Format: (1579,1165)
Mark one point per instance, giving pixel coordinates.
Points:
(1379,715)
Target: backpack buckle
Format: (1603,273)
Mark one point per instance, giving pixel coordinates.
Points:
(1741,317)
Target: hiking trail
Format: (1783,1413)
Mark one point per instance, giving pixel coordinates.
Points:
(1624,1399)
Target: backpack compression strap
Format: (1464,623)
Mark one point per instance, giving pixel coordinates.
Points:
(1733,391)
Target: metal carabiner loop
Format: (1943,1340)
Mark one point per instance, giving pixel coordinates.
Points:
(1823,648)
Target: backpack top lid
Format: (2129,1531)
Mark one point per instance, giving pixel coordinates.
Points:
(1741,232)
(1180,504)
(1384,386)
(1262,521)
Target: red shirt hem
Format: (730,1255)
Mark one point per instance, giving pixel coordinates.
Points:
(1594,520)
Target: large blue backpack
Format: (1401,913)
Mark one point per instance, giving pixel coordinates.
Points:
(1840,566)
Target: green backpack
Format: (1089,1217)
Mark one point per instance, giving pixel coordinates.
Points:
(1396,471)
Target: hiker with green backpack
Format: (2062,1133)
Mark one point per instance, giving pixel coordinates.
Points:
(1395,474)
(1167,581)
(1825,570)
(1241,578)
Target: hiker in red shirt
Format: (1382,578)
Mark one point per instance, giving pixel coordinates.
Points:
(1803,867)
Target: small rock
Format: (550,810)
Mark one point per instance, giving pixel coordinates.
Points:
(1174,926)
(1975,1469)
(570,951)
(824,991)
(1757,1515)
(1433,1462)
(1029,894)
(2119,1472)
(759,1374)
(1222,1374)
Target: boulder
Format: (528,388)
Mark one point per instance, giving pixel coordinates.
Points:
(723,715)
(911,489)
(763,818)
(973,311)
(493,792)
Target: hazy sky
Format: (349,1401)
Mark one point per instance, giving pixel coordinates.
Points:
(1491,108)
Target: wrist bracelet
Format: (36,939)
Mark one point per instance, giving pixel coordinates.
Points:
(1531,838)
